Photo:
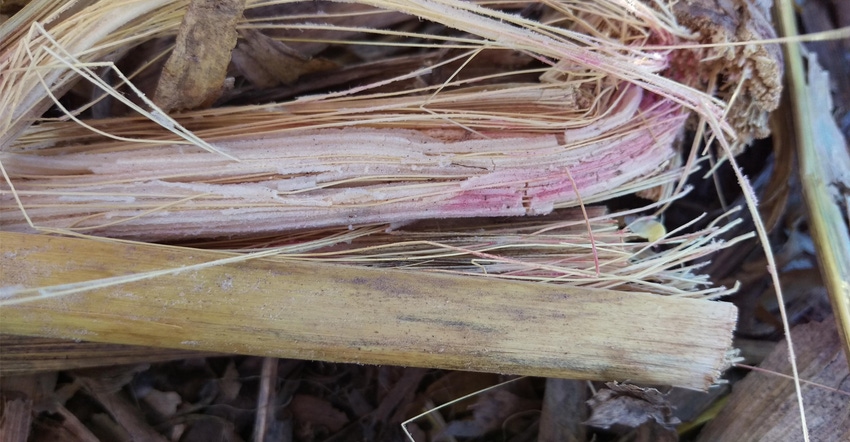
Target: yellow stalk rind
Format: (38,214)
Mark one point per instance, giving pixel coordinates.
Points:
(375,316)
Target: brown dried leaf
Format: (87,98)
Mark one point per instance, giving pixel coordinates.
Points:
(107,429)
(106,380)
(266,62)
(630,406)
(210,428)
(11,6)
(70,429)
(229,384)
(195,72)
(457,384)
(15,418)
(774,197)
(402,392)
(163,402)
(39,388)
(313,412)
(347,16)
(489,412)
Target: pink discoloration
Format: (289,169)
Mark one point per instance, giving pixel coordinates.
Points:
(321,178)
(486,200)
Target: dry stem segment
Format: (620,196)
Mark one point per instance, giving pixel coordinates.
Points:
(348,314)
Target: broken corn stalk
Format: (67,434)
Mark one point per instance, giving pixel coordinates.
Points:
(600,122)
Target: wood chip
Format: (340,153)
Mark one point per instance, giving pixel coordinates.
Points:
(195,72)
(764,407)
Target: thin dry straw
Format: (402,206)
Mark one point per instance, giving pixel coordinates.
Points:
(20,93)
(517,33)
(156,114)
(557,256)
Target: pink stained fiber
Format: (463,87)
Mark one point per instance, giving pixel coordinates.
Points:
(337,177)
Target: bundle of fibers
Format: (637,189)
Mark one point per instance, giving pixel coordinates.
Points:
(557,248)
(330,177)
(602,120)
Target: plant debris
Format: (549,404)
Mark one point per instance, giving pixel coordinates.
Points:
(507,144)
(194,75)
(629,406)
